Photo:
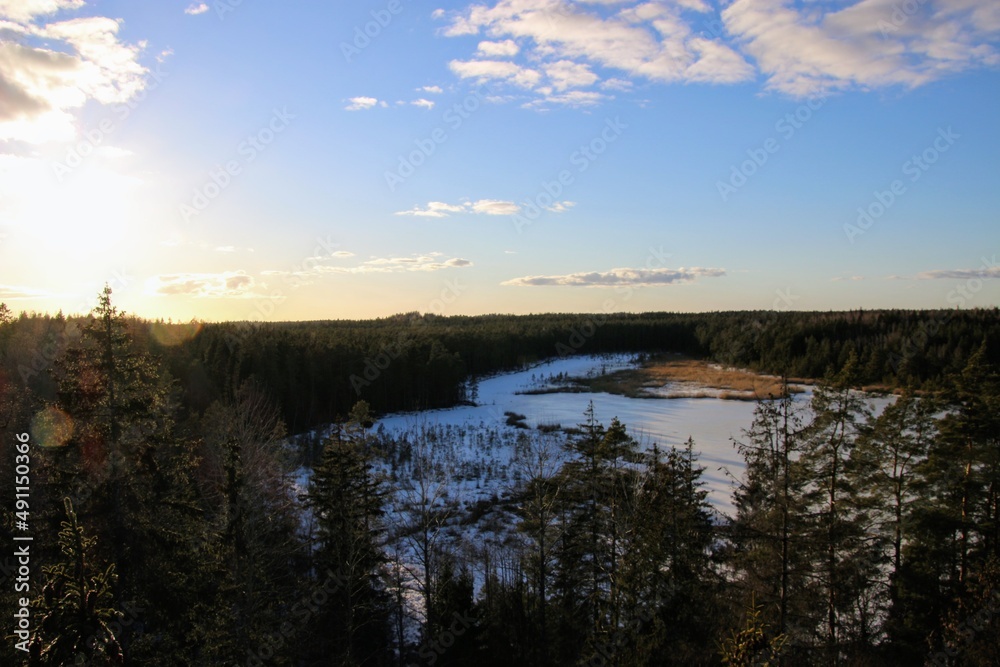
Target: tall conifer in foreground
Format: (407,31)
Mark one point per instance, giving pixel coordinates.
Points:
(353,627)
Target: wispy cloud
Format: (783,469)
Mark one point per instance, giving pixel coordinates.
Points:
(318,267)
(866,44)
(14,292)
(564,41)
(196,8)
(423,103)
(229,284)
(438,209)
(983,273)
(802,49)
(619,278)
(23,11)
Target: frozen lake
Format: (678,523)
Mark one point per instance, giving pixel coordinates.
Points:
(712,422)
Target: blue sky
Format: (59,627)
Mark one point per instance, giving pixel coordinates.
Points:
(255,160)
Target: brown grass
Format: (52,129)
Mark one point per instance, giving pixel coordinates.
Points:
(688,378)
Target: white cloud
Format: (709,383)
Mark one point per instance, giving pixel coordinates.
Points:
(982,273)
(315,268)
(14,292)
(617,84)
(423,103)
(24,11)
(437,209)
(421,263)
(196,8)
(801,48)
(485,71)
(433,90)
(568,74)
(560,206)
(867,44)
(434,209)
(361,103)
(506,48)
(650,40)
(55,68)
(494,207)
(573,98)
(229,284)
(619,278)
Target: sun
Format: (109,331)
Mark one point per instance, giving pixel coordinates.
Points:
(84,214)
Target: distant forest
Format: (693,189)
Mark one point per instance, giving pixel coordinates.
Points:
(166,529)
(317,370)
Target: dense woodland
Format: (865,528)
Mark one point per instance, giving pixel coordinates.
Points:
(167,532)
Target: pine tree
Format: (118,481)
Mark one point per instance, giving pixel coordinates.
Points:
(76,611)
(668,579)
(893,447)
(753,645)
(250,543)
(347,501)
(954,523)
(770,522)
(845,553)
(130,477)
(538,514)
(599,483)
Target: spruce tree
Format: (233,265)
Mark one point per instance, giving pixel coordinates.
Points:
(893,448)
(347,501)
(77,617)
(768,531)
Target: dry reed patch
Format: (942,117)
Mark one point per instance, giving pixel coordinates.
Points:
(729,383)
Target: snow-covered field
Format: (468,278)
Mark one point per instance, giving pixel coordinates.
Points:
(668,422)
(474,458)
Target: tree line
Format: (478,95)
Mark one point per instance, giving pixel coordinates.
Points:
(168,530)
(317,370)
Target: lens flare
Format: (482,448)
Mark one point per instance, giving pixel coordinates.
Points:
(170,334)
(52,428)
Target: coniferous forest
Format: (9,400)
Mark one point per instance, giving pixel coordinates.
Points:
(168,529)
